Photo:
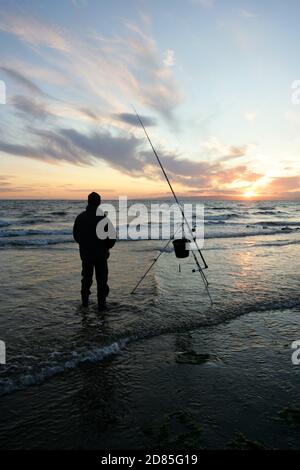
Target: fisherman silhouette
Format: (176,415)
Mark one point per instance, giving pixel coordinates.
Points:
(94,252)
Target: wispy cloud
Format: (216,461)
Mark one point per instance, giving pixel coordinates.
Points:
(25,82)
(33,31)
(8,186)
(30,107)
(110,68)
(114,71)
(220,151)
(130,118)
(284,184)
(127,155)
(69,145)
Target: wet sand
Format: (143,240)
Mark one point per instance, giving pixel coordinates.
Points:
(244,394)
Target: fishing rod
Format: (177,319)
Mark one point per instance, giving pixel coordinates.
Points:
(199,268)
(171,188)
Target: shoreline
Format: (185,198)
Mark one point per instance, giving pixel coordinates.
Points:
(246,386)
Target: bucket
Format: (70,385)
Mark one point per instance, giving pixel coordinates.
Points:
(180,247)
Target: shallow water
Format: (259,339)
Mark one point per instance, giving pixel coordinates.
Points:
(50,339)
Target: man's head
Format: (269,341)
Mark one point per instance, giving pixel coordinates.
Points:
(94,199)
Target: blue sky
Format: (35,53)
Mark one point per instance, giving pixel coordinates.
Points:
(212,78)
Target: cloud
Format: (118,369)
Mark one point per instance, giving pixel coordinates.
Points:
(284,184)
(234,151)
(112,69)
(154,83)
(7,186)
(53,148)
(33,31)
(132,119)
(31,108)
(89,113)
(89,190)
(169,59)
(22,80)
(15,189)
(69,145)
(223,152)
(127,154)
(4,180)
(120,152)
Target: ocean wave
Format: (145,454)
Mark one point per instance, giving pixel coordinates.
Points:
(97,354)
(33,221)
(34,242)
(31,232)
(217,208)
(279,223)
(4,223)
(41,238)
(278,243)
(222,217)
(265,208)
(59,363)
(61,213)
(243,234)
(268,212)
(216,222)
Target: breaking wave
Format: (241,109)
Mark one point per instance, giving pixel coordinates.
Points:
(60,213)
(32,232)
(4,223)
(97,354)
(34,242)
(94,355)
(35,220)
(278,223)
(224,217)
(11,239)
(268,212)
(244,233)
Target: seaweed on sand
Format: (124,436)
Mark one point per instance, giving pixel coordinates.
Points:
(290,415)
(242,443)
(191,357)
(177,431)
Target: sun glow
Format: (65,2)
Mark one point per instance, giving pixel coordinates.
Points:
(250,194)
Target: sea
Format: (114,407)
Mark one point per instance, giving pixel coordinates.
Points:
(162,362)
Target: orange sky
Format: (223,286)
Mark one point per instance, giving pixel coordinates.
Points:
(223,120)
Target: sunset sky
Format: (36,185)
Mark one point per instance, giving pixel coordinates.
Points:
(211,78)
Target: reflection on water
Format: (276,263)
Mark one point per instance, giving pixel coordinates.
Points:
(50,339)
